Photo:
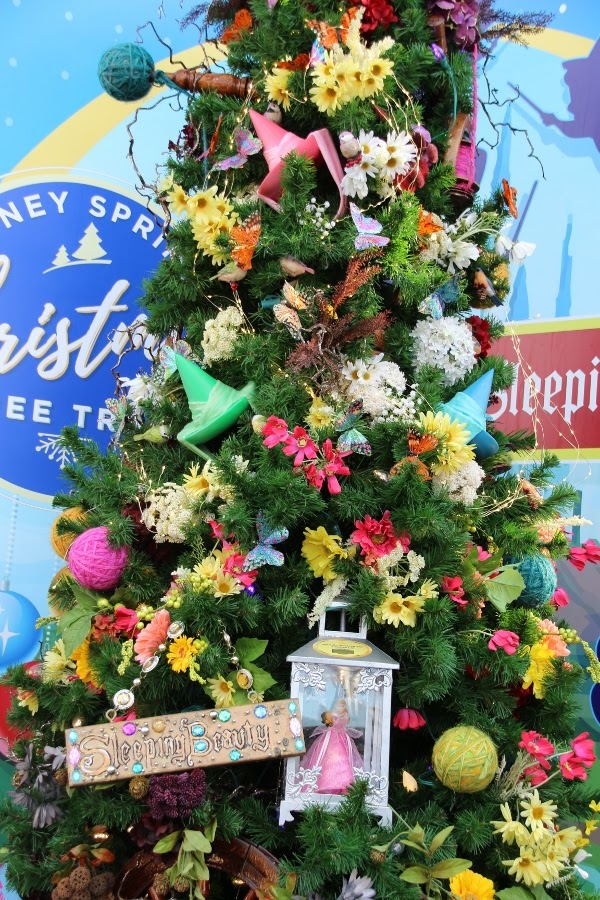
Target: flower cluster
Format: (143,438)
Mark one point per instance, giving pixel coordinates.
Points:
(221,335)
(168,512)
(382,161)
(446,344)
(206,484)
(461,485)
(381,386)
(211,215)
(460,16)
(448,246)
(572,764)
(340,77)
(453,450)
(549,647)
(316,214)
(397,609)
(320,466)
(589,552)
(544,851)
(176,796)
(221,573)
(378,14)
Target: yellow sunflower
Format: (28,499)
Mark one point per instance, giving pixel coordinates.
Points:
(276,86)
(319,549)
(454,450)
(180,654)
(326,95)
(471,886)
(221,690)
(81,657)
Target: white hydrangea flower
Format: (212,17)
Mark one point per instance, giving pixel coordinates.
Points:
(168,512)
(446,344)
(221,334)
(139,388)
(463,485)
(381,386)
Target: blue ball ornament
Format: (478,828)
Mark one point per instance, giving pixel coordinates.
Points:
(539,577)
(126,72)
(18,635)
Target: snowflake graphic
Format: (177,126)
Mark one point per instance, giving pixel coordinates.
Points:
(50,445)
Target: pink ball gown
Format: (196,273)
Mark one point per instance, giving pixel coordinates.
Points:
(335,752)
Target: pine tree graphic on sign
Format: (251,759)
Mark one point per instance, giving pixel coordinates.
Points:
(90,246)
(61,258)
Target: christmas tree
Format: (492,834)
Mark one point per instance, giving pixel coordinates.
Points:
(313,437)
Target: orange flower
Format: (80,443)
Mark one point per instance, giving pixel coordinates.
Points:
(150,637)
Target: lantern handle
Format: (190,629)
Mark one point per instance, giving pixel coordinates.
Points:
(340,605)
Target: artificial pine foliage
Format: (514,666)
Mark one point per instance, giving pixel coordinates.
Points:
(345,333)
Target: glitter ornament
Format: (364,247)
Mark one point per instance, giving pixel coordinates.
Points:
(181,884)
(94,563)
(62,542)
(160,883)
(464,759)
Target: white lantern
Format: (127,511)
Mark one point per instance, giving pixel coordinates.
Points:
(343,684)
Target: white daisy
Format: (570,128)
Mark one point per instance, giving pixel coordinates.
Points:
(354,182)
(401,153)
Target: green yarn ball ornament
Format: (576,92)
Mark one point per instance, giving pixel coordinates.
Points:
(464,759)
(540,580)
(126,72)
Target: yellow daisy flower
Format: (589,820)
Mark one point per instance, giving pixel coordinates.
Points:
(55,665)
(180,653)
(319,415)
(319,549)
(396,610)
(536,812)
(540,666)
(567,838)
(206,570)
(203,206)
(591,825)
(595,806)
(526,868)
(178,199)
(81,657)
(198,483)
(29,700)
(224,585)
(276,86)
(510,830)
(471,886)
(221,690)
(344,74)
(327,96)
(428,590)
(453,450)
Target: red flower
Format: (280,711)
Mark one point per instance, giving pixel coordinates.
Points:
(234,565)
(537,746)
(375,538)
(125,619)
(103,626)
(314,476)
(300,443)
(454,588)
(592,551)
(334,466)
(481,333)
(560,598)
(578,557)
(536,775)
(408,718)
(571,767)
(217,529)
(275,431)
(505,640)
(377,13)
(583,748)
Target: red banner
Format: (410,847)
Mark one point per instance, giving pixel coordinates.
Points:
(556,386)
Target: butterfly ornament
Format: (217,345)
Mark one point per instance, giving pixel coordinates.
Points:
(286,310)
(247,145)
(435,303)
(510,198)
(368,230)
(264,554)
(351,438)
(516,251)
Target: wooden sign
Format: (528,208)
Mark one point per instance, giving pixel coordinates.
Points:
(161,744)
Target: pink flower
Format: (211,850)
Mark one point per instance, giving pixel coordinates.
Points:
(560,598)
(275,431)
(571,767)
(504,640)
(334,466)
(103,627)
(482,554)
(577,557)
(300,443)
(537,746)
(404,542)
(408,718)
(454,588)
(592,551)
(125,620)
(150,637)
(583,748)
(234,565)
(375,538)
(217,529)
(314,476)
(536,775)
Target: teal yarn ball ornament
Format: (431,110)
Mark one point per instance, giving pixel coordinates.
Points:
(126,72)
(540,580)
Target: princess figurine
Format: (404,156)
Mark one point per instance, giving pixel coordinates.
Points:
(334,751)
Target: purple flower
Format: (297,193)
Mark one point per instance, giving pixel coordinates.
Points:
(176,796)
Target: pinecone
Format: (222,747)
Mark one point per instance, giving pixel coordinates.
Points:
(79,880)
(138,787)
(101,885)
(377,856)
(161,883)
(62,890)
(61,776)
(81,895)
(181,884)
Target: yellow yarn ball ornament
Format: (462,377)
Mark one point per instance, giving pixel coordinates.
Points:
(62,542)
(465,759)
(62,573)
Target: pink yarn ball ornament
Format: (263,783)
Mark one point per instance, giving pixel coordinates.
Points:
(94,563)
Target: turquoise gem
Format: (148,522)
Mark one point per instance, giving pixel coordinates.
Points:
(201,746)
(198,730)
(299,744)
(292,706)
(73,736)
(235,755)
(224,715)
(260,712)
(137,768)
(76,776)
